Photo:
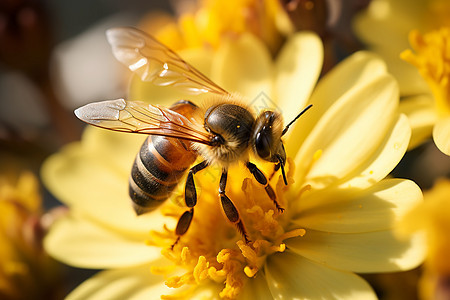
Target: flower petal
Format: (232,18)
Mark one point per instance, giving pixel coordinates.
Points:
(370,252)
(129,283)
(291,276)
(359,68)
(350,133)
(386,156)
(115,148)
(92,184)
(441,135)
(298,67)
(409,80)
(243,66)
(164,95)
(256,288)
(205,290)
(353,210)
(78,242)
(421,115)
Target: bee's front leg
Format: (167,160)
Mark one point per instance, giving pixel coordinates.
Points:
(261,178)
(229,208)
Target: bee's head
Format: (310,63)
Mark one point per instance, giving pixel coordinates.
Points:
(267,135)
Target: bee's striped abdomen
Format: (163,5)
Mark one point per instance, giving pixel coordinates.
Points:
(158,167)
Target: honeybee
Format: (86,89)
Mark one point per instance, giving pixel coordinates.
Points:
(222,134)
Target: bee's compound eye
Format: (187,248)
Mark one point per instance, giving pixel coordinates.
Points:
(217,140)
(263,143)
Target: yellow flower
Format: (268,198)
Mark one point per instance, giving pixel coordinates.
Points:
(433,217)
(340,211)
(26,271)
(210,21)
(423,77)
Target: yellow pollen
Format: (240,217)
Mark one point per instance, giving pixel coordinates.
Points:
(317,155)
(179,281)
(201,269)
(212,249)
(432,59)
(250,272)
(162,270)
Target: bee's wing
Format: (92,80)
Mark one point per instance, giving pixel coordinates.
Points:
(139,117)
(156,63)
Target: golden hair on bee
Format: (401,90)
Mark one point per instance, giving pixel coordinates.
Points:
(218,109)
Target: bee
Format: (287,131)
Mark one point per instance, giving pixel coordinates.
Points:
(221,134)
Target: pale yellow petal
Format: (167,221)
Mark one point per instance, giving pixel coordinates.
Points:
(421,115)
(129,283)
(78,242)
(244,66)
(350,132)
(206,291)
(441,135)
(369,252)
(408,77)
(385,27)
(117,149)
(386,22)
(377,26)
(298,67)
(388,41)
(353,210)
(91,184)
(256,288)
(384,158)
(166,95)
(291,276)
(359,68)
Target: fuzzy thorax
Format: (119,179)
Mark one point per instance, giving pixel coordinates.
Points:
(230,124)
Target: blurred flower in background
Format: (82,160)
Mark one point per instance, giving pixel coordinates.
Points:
(26,271)
(423,75)
(433,218)
(206,23)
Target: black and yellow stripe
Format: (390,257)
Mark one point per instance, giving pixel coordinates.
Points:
(158,167)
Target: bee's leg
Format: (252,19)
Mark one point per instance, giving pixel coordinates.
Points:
(190,198)
(183,224)
(261,178)
(229,208)
(276,167)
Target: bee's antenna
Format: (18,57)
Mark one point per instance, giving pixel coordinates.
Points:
(295,119)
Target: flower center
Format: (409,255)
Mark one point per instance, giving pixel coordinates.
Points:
(432,59)
(213,249)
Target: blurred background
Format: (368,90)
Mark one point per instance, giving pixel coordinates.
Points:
(53,58)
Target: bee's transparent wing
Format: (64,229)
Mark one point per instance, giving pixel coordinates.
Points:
(156,63)
(139,117)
